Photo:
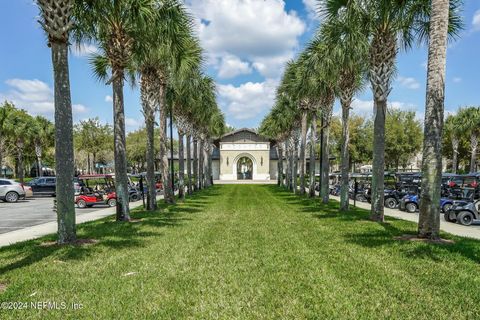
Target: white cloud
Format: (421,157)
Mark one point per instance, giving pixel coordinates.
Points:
(108,99)
(79,108)
(251,30)
(248,100)
(132,124)
(476,21)
(408,82)
(457,79)
(312,7)
(34,96)
(231,66)
(84,50)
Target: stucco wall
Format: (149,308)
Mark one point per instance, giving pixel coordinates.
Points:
(260,158)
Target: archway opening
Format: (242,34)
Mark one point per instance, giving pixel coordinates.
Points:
(244,168)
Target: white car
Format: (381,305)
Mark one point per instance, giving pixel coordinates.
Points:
(11,191)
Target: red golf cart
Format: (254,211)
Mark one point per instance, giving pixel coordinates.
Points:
(96,189)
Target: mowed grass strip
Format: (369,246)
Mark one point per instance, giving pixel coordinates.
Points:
(245,252)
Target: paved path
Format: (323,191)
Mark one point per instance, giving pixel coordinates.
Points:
(42,229)
(453,228)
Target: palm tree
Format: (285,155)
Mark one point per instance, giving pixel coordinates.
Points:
(429,220)
(469,122)
(344,37)
(388,25)
(56,20)
(115,25)
(321,65)
(452,129)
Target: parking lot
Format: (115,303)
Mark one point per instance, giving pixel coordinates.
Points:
(31,212)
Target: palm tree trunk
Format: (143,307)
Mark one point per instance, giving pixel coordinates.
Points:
(290,167)
(148,105)
(167,188)
(429,220)
(280,164)
(189,165)
(200,164)
(325,187)
(209,161)
(455,144)
(303,145)
(288,174)
(345,157)
(474,146)
(64,160)
(295,166)
(181,166)
(313,139)
(195,163)
(378,163)
(120,150)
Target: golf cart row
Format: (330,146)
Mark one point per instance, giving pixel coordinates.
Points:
(99,189)
(459,201)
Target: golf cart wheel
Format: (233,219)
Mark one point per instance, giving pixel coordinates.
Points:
(465,218)
(450,217)
(391,203)
(112,203)
(446,207)
(361,198)
(81,203)
(11,197)
(411,207)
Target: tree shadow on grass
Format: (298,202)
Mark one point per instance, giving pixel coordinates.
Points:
(385,235)
(468,248)
(109,233)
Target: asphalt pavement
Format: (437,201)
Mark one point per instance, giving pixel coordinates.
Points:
(31,212)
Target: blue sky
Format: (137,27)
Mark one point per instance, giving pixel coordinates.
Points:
(247,43)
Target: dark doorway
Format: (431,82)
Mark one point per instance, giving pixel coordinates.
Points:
(244,168)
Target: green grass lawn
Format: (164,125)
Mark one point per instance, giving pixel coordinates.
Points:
(246,252)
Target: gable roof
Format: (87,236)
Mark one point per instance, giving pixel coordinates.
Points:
(239,130)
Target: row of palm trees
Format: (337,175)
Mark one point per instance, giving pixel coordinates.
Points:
(147,39)
(357,44)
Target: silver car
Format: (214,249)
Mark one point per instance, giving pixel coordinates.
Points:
(11,191)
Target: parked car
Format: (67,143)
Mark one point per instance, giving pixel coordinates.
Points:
(409,203)
(11,191)
(463,212)
(45,186)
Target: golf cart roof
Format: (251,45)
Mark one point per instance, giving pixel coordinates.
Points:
(95,176)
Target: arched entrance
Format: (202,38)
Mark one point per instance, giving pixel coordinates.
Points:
(244,168)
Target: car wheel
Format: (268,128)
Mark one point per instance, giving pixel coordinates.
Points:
(11,196)
(391,203)
(112,202)
(446,207)
(465,218)
(81,203)
(133,198)
(411,207)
